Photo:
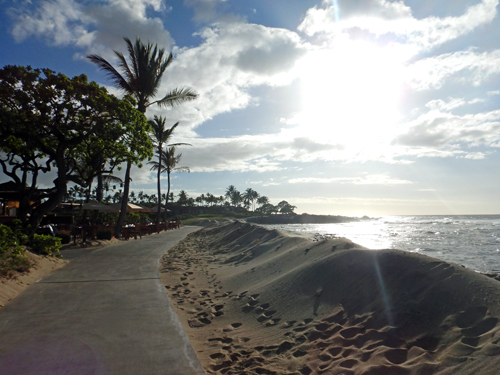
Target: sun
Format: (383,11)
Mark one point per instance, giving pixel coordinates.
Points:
(351,93)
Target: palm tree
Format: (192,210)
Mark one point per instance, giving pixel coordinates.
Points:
(160,136)
(168,164)
(141,76)
(262,200)
(230,191)
(251,196)
(183,198)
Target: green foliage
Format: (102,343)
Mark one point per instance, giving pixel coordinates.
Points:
(137,217)
(65,236)
(45,245)
(51,122)
(104,235)
(12,255)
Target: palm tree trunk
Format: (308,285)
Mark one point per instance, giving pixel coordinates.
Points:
(168,194)
(123,212)
(158,215)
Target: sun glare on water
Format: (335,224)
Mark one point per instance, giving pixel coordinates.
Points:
(351,93)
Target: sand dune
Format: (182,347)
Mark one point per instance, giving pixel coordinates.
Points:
(258,301)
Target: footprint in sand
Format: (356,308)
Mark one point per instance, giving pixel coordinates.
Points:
(196,323)
(262,318)
(299,353)
(350,363)
(217,355)
(351,332)
(265,306)
(273,322)
(480,328)
(397,356)
(471,316)
(428,343)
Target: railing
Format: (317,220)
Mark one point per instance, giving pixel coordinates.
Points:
(128,230)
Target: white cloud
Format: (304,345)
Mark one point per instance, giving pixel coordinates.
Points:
(381,17)
(375,179)
(437,130)
(59,21)
(96,27)
(231,59)
(467,66)
(452,103)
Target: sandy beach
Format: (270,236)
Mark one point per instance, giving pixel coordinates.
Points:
(259,301)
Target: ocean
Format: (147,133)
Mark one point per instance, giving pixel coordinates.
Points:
(472,241)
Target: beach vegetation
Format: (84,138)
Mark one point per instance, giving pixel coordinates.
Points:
(12,254)
(140,76)
(49,122)
(267,209)
(45,244)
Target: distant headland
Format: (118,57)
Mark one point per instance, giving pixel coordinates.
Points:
(304,219)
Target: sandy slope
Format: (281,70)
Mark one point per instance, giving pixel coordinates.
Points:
(255,301)
(11,287)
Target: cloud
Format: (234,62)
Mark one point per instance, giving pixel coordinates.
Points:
(381,17)
(452,103)
(95,27)
(466,66)
(244,154)
(232,59)
(437,129)
(376,179)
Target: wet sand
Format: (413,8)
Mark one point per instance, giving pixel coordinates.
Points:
(259,301)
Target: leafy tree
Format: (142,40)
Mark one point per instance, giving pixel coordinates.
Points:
(140,77)
(285,208)
(168,164)
(46,119)
(267,209)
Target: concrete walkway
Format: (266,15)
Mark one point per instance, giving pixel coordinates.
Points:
(105,313)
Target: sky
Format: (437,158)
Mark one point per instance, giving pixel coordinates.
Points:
(342,107)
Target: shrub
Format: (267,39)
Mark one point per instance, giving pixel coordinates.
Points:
(45,245)
(64,235)
(104,235)
(12,255)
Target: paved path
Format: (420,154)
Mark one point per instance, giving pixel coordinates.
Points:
(105,313)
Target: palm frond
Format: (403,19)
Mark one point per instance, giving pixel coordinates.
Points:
(111,72)
(177,96)
(111,178)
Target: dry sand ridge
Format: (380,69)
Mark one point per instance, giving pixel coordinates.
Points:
(259,301)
